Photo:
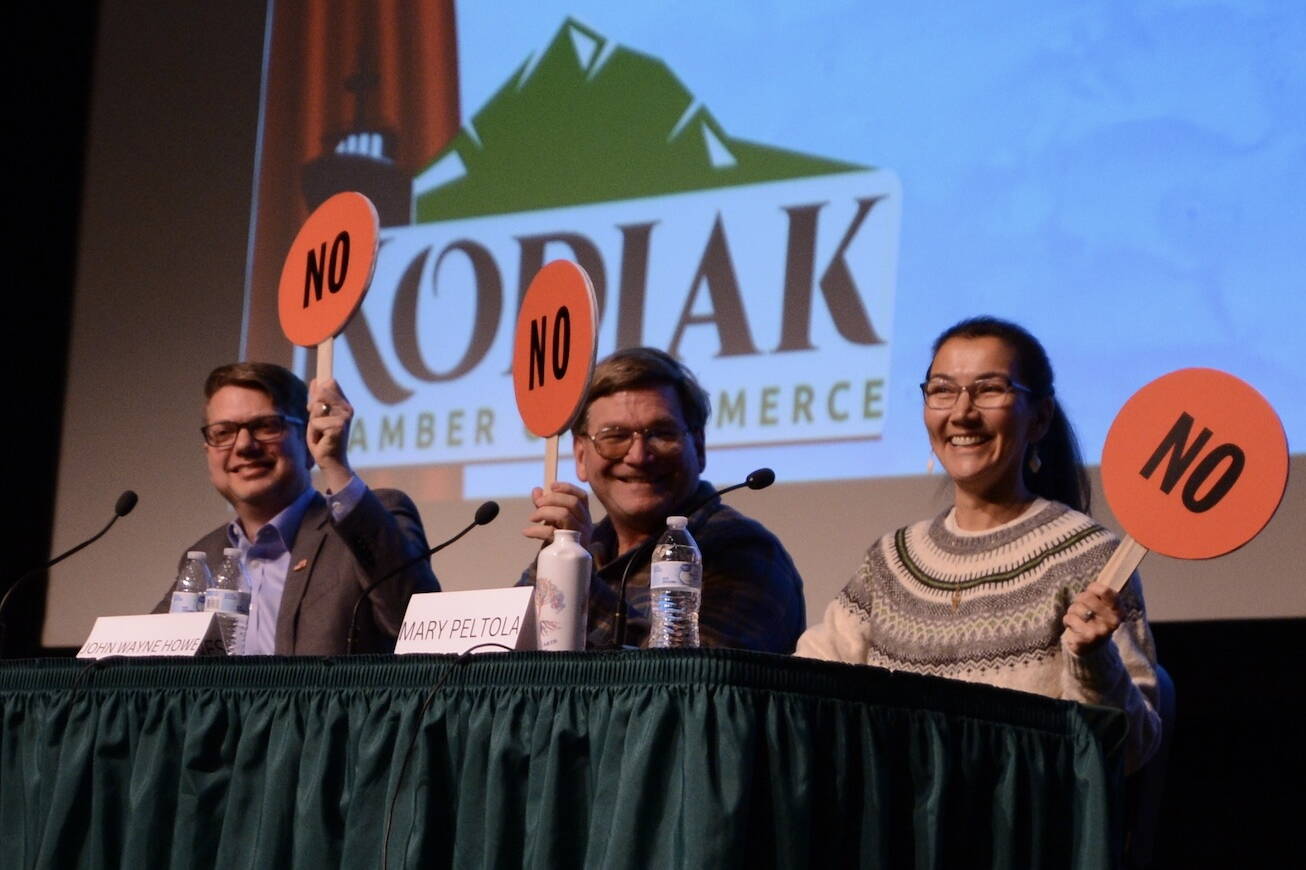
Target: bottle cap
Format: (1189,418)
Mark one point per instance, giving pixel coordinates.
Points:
(567,534)
(197,554)
(677,522)
(233,552)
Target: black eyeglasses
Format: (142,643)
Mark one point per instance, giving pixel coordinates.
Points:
(613,442)
(269,428)
(997,391)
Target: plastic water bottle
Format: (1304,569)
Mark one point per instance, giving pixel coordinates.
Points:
(192,583)
(229,590)
(562,585)
(676,587)
(228,596)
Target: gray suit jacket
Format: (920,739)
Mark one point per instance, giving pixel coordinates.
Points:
(331,564)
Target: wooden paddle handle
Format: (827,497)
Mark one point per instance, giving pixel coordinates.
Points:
(325,359)
(550,462)
(1122,564)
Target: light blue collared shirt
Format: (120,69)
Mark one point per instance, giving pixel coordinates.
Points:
(267,560)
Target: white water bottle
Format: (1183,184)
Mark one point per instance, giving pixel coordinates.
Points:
(675,587)
(192,583)
(228,596)
(562,587)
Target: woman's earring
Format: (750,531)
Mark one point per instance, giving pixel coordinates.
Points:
(929,466)
(1035,463)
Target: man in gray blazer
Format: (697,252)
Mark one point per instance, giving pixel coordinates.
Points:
(308,555)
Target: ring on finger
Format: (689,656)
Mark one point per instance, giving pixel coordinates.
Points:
(323,409)
(1088,613)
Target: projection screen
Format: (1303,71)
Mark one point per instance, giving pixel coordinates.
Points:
(793,198)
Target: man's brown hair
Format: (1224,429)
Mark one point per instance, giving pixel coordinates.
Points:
(642,367)
(288,393)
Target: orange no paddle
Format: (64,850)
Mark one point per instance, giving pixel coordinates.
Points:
(1195,464)
(328,269)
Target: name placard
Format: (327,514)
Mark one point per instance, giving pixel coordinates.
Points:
(454,622)
(157,634)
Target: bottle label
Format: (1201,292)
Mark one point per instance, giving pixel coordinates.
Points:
(226,601)
(562,580)
(676,575)
(187,602)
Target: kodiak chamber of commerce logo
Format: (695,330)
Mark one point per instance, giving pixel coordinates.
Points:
(770,273)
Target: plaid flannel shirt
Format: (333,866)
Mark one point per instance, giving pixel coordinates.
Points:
(752,594)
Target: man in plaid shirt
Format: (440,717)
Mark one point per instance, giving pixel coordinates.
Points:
(639,445)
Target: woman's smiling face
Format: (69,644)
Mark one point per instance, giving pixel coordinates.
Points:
(983,449)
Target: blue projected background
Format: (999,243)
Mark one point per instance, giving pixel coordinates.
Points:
(1126,180)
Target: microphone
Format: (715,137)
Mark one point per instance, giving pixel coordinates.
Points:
(485,514)
(761,478)
(123,506)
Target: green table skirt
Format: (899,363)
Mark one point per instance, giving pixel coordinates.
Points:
(640,759)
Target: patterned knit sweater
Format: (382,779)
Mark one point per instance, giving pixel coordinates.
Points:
(986,607)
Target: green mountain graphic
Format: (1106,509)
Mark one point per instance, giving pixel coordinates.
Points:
(593,121)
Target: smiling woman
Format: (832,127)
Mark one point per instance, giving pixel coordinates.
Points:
(986,426)
(1001,587)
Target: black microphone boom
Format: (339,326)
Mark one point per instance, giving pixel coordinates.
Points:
(761,478)
(121,508)
(484,515)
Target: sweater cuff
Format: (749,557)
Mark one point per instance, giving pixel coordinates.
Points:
(1098,670)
